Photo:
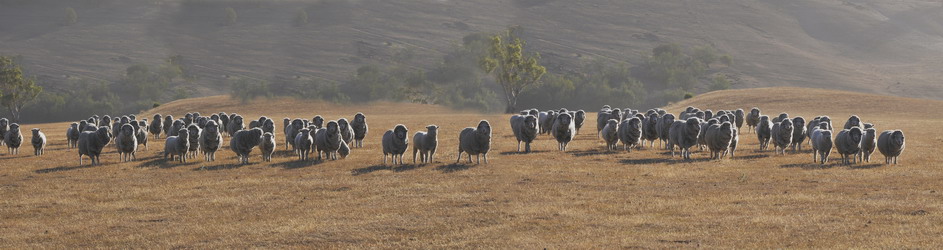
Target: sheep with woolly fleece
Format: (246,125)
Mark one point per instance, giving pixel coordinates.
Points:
(303,143)
(684,135)
(663,127)
(630,133)
(126,142)
(753,119)
(39,142)
(168,125)
(72,135)
(650,129)
(563,131)
(821,144)
(13,139)
(347,133)
(395,142)
(359,125)
(328,140)
(719,138)
(91,143)
(194,137)
(868,144)
(610,134)
(267,146)
(764,132)
(425,144)
(292,131)
(243,141)
(525,130)
(891,144)
(177,146)
(848,144)
(211,139)
(853,121)
(781,134)
(156,126)
(235,125)
(798,133)
(477,140)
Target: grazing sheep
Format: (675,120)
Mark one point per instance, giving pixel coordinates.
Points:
(868,144)
(891,144)
(194,138)
(610,134)
(243,141)
(821,144)
(684,135)
(477,141)
(39,142)
(395,142)
(210,140)
(853,121)
(177,146)
(753,119)
(13,139)
(782,133)
(72,135)
(719,138)
(650,129)
(763,132)
(664,125)
(848,144)
(126,142)
(347,133)
(328,140)
(630,133)
(525,130)
(359,125)
(579,117)
(798,133)
(303,143)
(563,130)
(267,146)
(425,144)
(235,125)
(545,121)
(156,127)
(168,125)
(91,144)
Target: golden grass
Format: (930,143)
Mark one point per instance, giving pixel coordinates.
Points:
(583,198)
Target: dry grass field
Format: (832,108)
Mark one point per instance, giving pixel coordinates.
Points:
(582,198)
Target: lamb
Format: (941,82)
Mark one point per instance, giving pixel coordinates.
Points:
(821,144)
(782,135)
(235,125)
(177,146)
(663,127)
(763,132)
(156,126)
(798,133)
(719,138)
(328,140)
(563,131)
(868,144)
(477,141)
(891,144)
(684,135)
(141,133)
(425,144)
(853,121)
(303,143)
(91,144)
(267,146)
(650,129)
(359,125)
(210,140)
(39,142)
(545,121)
(848,144)
(525,130)
(127,143)
(347,133)
(579,117)
(243,141)
(753,119)
(194,139)
(610,134)
(395,142)
(630,133)
(72,135)
(13,139)
(168,123)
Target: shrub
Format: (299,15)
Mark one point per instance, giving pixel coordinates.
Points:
(230,16)
(301,18)
(720,82)
(70,16)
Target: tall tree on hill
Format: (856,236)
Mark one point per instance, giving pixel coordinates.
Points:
(16,91)
(512,69)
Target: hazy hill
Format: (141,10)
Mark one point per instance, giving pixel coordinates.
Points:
(890,47)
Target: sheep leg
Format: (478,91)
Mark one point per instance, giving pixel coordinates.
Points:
(431,155)
(414,154)
(459,157)
(518,146)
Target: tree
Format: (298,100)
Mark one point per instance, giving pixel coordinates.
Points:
(512,69)
(230,16)
(17,90)
(70,16)
(301,18)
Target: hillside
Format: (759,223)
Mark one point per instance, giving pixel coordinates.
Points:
(867,46)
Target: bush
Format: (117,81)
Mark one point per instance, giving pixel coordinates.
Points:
(246,90)
(70,16)
(230,16)
(301,18)
(720,82)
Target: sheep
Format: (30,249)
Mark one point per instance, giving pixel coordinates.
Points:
(735,139)
(187,119)
(126,142)
(292,131)
(303,143)
(719,138)
(663,127)
(827,121)
(167,126)
(853,121)
(630,133)
(868,125)
(753,119)
(194,139)
(347,133)
(650,129)
(525,130)
(614,114)
(579,117)
(156,126)
(177,146)
(359,125)
(243,141)
(395,142)
(477,140)
(602,117)
(235,125)
(141,133)
(425,144)
(763,133)
(891,144)
(344,150)
(780,118)
(545,121)
(4,127)
(267,146)
(13,139)
(285,123)
(811,126)
(328,140)
(255,124)
(82,125)
(821,144)
(798,133)
(702,135)
(210,140)
(781,134)
(72,134)
(318,121)
(610,134)
(105,121)
(684,135)
(91,144)
(868,144)
(39,142)
(563,131)
(848,144)
(268,126)
(215,118)
(175,127)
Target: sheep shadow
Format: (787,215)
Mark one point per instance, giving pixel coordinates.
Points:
(523,153)
(750,157)
(866,166)
(222,167)
(592,152)
(298,164)
(663,160)
(63,168)
(455,167)
(160,162)
(283,154)
(370,169)
(808,166)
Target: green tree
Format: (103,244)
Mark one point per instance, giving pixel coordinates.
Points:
(301,18)
(230,16)
(70,16)
(512,69)
(17,91)
(720,82)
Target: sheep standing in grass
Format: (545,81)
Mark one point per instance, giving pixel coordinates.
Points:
(848,144)
(425,144)
(821,144)
(347,133)
(601,118)
(291,132)
(395,142)
(235,124)
(285,123)
(359,125)
(72,135)
(664,125)
(141,133)
(545,121)
(702,135)
(126,142)
(268,126)
(579,117)
(13,139)
(156,126)
(753,119)
(630,133)
(194,139)
(525,130)
(891,144)
(175,127)
(303,143)
(853,121)
(167,126)
(223,122)
(477,141)
(764,132)
(4,127)
(267,146)
(39,142)
(177,146)
(610,134)
(328,140)
(782,133)
(780,118)
(650,129)
(563,130)
(868,144)
(82,125)
(91,144)
(798,133)
(684,135)
(243,141)
(318,121)
(211,139)
(719,138)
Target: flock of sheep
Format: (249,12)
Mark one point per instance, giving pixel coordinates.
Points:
(194,134)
